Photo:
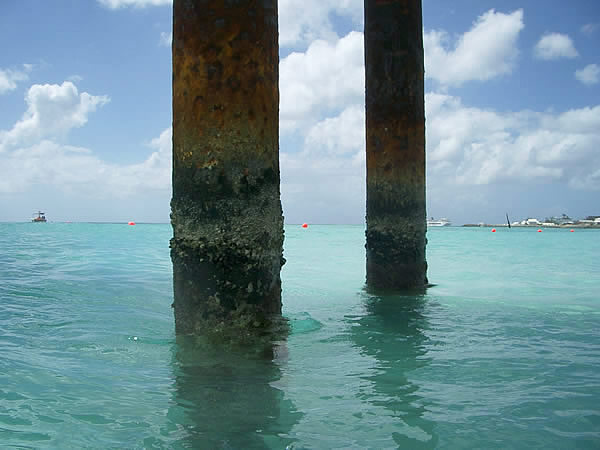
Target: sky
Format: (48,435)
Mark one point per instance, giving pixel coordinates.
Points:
(512,109)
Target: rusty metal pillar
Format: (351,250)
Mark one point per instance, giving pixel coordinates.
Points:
(227,246)
(395,117)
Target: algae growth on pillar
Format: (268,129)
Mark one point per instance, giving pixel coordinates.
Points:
(395,129)
(226,212)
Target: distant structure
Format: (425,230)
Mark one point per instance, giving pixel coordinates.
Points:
(227,246)
(395,121)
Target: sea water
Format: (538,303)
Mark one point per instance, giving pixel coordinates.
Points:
(503,352)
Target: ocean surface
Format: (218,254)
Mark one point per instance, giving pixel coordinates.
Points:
(504,352)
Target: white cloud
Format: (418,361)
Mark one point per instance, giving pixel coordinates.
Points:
(52,110)
(589,75)
(116,4)
(166,38)
(326,77)
(472,146)
(76,169)
(303,21)
(153,173)
(9,78)
(328,175)
(486,51)
(338,135)
(553,46)
(31,154)
(589,28)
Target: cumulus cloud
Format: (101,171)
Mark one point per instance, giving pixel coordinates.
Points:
(473,146)
(76,169)
(116,4)
(589,75)
(326,77)
(52,110)
(32,154)
(486,51)
(338,135)
(552,46)
(302,21)
(9,78)
(328,174)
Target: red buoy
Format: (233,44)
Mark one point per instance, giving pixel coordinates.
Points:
(493,230)
(130,223)
(304,225)
(572,231)
(540,230)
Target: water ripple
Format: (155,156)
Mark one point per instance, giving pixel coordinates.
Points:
(497,355)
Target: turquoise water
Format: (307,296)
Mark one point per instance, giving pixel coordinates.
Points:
(503,353)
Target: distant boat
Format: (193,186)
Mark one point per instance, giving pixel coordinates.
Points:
(41,217)
(443,222)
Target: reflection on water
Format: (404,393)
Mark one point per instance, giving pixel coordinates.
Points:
(227,398)
(392,332)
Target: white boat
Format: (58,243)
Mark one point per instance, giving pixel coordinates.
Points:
(443,222)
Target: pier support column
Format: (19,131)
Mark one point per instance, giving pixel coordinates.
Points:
(395,120)
(226,212)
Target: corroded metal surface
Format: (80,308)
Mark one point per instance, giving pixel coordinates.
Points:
(395,116)
(226,210)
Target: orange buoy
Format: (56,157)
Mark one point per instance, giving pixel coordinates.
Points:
(493,230)
(130,223)
(304,225)
(539,230)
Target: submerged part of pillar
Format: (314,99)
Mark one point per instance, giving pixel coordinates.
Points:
(395,117)
(227,246)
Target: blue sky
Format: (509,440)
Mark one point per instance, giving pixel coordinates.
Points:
(512,104)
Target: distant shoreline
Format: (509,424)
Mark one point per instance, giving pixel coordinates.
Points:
(503,225)
(466,225)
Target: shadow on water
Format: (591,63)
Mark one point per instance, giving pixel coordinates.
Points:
(226,398)
(391,331)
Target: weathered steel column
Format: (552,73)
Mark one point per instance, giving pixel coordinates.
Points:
(226,211)
(395,113)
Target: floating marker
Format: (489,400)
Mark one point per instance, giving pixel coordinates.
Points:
(493,230)
(572,231)
(304,225)
(540,230)
(130,223)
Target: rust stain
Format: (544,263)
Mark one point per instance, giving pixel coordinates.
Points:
(208,164)
(395,113)
(223,62)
